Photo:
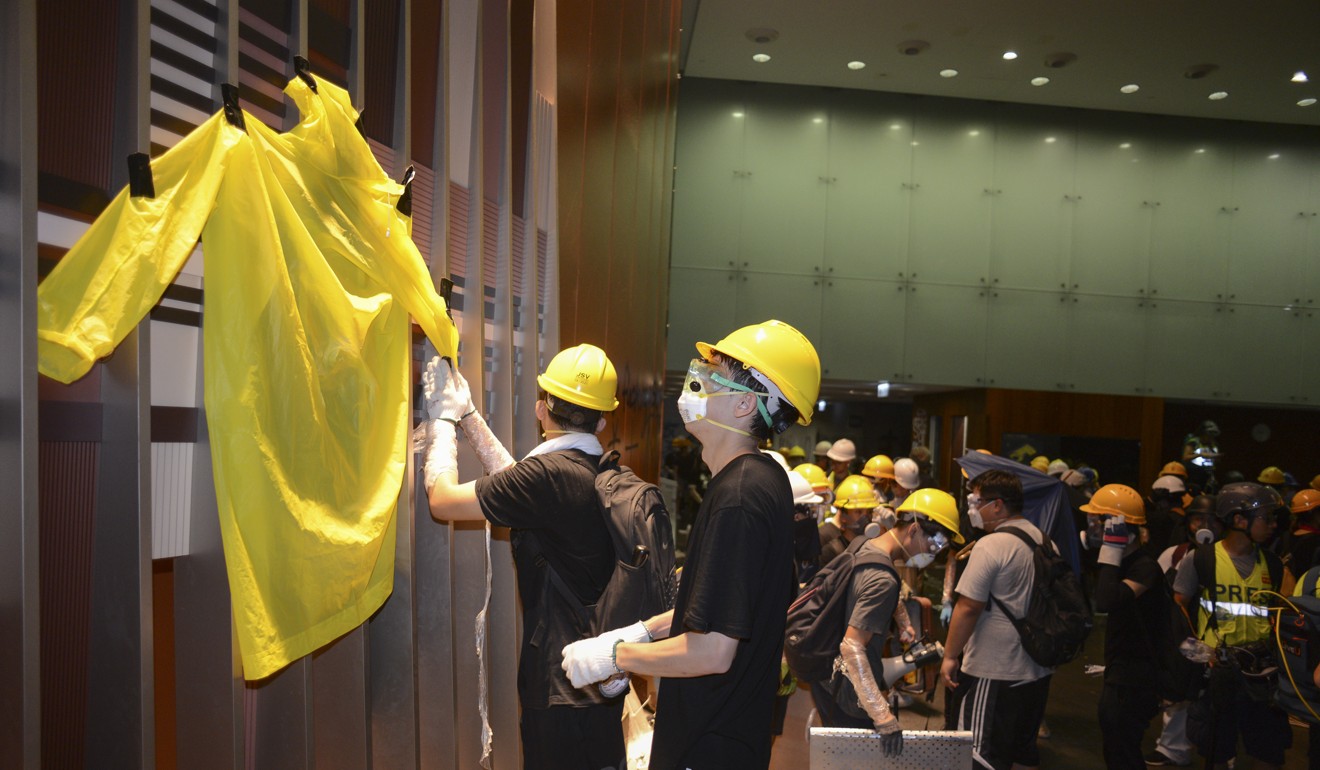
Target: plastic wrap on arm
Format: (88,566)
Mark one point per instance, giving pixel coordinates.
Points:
(494,457)
(442,452)
(906,633)
(872,699)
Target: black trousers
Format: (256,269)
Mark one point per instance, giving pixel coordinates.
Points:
(1124,715)
(567,738)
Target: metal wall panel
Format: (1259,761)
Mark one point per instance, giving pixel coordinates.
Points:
(20,658)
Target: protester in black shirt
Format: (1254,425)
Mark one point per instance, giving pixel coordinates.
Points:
(1130,587)
(720,662)
(549,500)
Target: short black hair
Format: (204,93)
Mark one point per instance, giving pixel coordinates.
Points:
(1000,485)
(741,374)
(569,416)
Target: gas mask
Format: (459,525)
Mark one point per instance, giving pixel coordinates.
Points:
(974,516)
(936,542)
(1204,536)
(857,525)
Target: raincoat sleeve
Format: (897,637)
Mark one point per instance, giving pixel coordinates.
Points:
(112,277)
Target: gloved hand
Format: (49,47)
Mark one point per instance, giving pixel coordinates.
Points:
(946,613)
(637,633)
(589,660)
(908,635)
(891,739)
(1115,541)
(446,392)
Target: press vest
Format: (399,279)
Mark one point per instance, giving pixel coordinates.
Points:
(1240,610)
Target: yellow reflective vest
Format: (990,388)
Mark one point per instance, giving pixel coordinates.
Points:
(1241,611)
(310,277)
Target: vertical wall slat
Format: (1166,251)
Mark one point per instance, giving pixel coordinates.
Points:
(20,637)
(121,680)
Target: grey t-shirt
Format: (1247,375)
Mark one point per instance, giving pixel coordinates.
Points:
(1001,566)
(1185,582)
(872,597)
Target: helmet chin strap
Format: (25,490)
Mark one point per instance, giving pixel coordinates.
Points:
(709,421)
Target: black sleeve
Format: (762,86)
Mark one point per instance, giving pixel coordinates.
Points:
(725,582)
(516,496)
(1111,593)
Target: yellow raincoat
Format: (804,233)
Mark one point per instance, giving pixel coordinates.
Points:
(311,275)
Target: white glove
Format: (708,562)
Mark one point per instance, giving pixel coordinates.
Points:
(590,660)
(446,392)
(637,633)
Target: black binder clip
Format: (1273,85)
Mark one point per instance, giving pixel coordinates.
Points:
(405,201)
(140,182)
(447,294)
(233,112)
(303,69)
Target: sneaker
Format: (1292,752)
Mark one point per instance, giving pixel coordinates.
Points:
(1158,758)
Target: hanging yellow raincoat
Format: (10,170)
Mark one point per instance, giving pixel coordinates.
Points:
(311,275)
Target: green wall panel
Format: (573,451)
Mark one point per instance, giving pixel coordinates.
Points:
(950,242)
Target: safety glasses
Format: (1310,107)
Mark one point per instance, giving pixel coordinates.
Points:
(705,379)
(936,534)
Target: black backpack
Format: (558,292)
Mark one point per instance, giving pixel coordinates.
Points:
(644,582)
(816,621)
(1058,618)
(1298,651)
(1177,678)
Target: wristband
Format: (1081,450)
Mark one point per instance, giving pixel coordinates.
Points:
(614,656)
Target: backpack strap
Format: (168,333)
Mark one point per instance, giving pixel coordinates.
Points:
(1031,544)
(1274,566)
(551,575)
(1203,559)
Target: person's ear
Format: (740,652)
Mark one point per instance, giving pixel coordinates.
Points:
(540,410)
(600,425)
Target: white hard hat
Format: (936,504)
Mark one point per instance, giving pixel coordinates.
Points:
(822,447)
(777,457)
(1170,483)
(1057,467)
(843,451)
(907,473)
(802,491)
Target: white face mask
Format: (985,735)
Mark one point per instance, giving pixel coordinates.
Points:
(921,560)
(691,407)
(974,514)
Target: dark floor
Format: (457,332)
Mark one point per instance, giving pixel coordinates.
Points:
(1075,737)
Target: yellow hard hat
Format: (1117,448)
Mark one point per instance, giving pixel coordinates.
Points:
(813,473)
(1041,463)
(582,375)
(797,453)
(1271,475)
(1117,500)
(1174,468)
(781,354)
(681,442)
(1305,500)
(879,467)
(855,492)
(1315,483)
(934,504)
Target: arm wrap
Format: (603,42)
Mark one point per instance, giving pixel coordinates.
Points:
(494,457)
(858,670)
(441,451)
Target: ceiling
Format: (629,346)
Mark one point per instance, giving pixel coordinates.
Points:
(1255,47)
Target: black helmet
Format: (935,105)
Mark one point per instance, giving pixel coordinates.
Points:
(1201,505)
(1247,498)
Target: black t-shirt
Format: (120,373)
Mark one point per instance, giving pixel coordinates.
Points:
(831,543)
(553,497)
(737,581)
(1134,627)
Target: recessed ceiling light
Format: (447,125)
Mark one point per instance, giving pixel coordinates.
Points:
(1307,102)
(1050,140)
(1039,81)
(856,65)
(760,58)
(915,143)
(895,126)
(973,132)
(1130,88)
(737,114)
(1300,77)
(948,73)
(1010,55)
(1125,145)
(1274,156)
(818,120)
(1217,95)
(1200,150)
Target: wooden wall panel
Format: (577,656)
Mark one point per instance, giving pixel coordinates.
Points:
(616,105)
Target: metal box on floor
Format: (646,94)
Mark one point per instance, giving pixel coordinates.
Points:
(836,748)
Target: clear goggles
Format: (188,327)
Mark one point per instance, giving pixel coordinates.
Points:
(705,380)
(936,534)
